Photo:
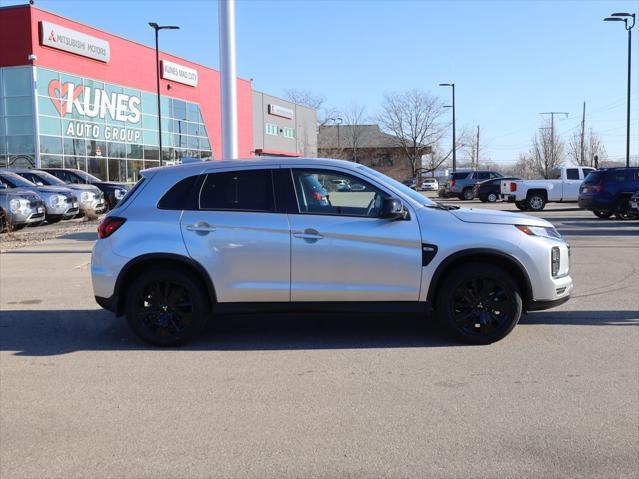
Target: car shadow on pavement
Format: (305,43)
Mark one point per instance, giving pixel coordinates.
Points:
(82,236)
(46,333)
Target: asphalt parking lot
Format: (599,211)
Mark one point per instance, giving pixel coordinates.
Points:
(321,396)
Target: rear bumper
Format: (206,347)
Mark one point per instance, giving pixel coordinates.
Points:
(586,203)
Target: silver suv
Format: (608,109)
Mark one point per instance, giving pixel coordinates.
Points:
(192,241)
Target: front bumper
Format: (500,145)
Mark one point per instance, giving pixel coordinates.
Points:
(542,305)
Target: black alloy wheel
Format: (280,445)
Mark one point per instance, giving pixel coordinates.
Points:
(602,214)
(479,304)
(166,308)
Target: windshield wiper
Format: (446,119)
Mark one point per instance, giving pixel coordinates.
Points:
(441,206)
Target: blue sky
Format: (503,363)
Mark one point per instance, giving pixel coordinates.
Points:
(510,60)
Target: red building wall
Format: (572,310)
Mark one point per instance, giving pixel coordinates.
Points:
(131,64)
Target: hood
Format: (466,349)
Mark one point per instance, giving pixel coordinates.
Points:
(53,189)
(20,192)
(469,215)
(82,187)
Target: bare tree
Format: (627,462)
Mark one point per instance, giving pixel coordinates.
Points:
(413,117)
(592,146)
(311,100)
(595,147)
(353,116)
(547,151)
(524,167)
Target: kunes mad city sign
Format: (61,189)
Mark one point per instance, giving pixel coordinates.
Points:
(69,98)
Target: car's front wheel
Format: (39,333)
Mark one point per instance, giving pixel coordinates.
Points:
(166,307)
(536,202)
(479,303)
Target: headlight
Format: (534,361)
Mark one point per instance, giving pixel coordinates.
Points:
(119,194)
(86,196)
(19,205)
(544,231)
(57,201)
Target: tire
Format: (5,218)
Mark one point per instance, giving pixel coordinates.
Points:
(483,199)
(467,306)
(18,226)
(536,202)
(522,205)
(468,194)
(166,307)
(602,214)
(33,225)
(492,197)
(624,212)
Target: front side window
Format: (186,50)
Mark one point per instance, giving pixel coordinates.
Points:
(572,174)
(330,192)
(247,190)
(483,175)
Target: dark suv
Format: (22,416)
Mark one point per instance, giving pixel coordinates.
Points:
(608,191)
(462,183)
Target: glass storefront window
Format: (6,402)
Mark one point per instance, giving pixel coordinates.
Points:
(151,153)
(21,161)
(17,81)
(76,162)
(150,104)
(21,144)
(46,106)
(74,146)
(22,105)
(133,168)
(50,126)
(96,148)
(134,151)
(51,161)
(117,170)
(51,144)
(150,137)
(19,125)
(45,77)
(97,167)
(192,112)
(116,150)
(179,109)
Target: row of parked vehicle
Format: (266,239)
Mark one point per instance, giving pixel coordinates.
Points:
(605,192)
(30,197)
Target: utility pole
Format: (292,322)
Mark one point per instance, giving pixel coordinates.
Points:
(552,133)
(583,134)
(477,150)
(228,80)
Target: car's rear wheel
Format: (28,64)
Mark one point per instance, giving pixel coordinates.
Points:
(536,202)
(468,194)
(165,307)
(602,214)
(624,211)
(492,197)
(479,303)
(521,205)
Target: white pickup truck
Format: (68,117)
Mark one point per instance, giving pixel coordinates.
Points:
(563,186)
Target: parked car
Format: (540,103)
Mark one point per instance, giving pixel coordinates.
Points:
(462,183)
(60,202)
(19,208)
(430,184)
(563,186)
(489,191)
(261,235)
(634,201)
(411,183)
(90,198)
(608,191)
(113,191)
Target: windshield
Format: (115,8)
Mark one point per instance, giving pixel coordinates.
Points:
(86,177)
(49,179)
(414,195)
(16,181)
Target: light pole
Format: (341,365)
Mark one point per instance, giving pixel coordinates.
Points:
(452,85)
(157,28)
(336,120)
(624,17)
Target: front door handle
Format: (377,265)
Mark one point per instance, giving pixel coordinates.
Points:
(201,227)
(309,235)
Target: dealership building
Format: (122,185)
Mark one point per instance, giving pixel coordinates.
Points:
(76,97)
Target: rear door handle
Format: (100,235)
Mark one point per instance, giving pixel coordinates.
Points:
(309,235)
(201,227)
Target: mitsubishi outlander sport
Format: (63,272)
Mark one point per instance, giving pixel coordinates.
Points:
(192,241)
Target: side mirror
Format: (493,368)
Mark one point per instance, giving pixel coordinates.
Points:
(3,186)
(393,209)
(39,183)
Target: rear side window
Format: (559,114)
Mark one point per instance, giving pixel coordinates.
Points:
(459,176)
(181,195)
(594,178)
(483,175)
(572,174)
(247,190)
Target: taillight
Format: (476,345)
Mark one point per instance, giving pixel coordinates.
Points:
(452,183)
(109,226)
(513,187)
(598,188)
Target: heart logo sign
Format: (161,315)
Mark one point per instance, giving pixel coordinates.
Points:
(61,96)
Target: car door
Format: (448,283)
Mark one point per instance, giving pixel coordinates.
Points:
(571,184)
(341,250)
(236,233)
